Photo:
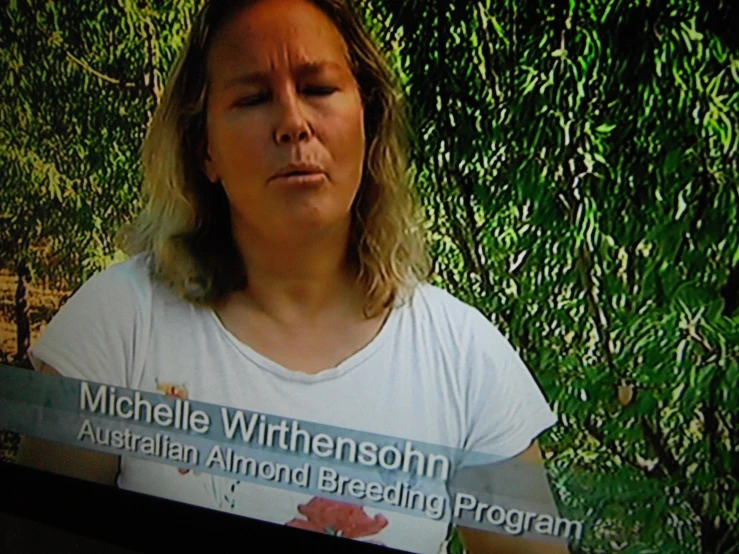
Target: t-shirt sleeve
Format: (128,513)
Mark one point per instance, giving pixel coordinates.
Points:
(98,333)
(506,410)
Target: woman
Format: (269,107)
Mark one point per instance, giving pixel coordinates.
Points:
(279,267)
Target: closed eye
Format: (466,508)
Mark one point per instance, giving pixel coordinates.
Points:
(256,99)
(252,100)
(320,91)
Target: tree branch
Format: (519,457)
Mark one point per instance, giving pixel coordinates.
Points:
(670,465)
(617,452)
(87,67)
(152,79)
(82,63)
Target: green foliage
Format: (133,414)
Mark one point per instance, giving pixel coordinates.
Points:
(80,82)
(578,164)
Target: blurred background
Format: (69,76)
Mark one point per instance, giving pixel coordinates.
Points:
(578,163)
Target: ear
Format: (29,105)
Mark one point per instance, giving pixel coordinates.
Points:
(209,167)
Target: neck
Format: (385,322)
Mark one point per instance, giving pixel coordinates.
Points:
(298,281)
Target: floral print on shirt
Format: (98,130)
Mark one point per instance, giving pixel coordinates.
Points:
(177,391)
(341,519)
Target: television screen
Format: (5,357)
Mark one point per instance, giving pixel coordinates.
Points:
(429,276)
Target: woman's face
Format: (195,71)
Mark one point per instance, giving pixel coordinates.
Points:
(281,93)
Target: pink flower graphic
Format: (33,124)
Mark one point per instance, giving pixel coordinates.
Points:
(342,519)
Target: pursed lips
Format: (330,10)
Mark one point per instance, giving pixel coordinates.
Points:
(298,170)
(299,180)
(300,174)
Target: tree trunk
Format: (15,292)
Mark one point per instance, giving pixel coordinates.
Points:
(22,321)
(730,292)
(717,538)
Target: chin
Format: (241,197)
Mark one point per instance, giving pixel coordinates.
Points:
(316,222)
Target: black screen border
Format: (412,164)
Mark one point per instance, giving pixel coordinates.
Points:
(146,523)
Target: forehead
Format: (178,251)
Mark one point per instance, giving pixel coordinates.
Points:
(273,35)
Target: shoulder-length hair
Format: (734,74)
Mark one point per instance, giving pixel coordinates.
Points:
(185,225)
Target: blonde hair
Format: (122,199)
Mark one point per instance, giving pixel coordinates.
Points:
(185,225)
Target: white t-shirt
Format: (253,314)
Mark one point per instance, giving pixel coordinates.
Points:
(437,372)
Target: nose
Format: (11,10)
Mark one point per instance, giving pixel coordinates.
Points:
(292,124)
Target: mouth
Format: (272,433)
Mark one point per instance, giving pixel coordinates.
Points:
(299,179)
(299,171)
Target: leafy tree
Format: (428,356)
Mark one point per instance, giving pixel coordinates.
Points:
(578,161)
(80,83)
(578,165)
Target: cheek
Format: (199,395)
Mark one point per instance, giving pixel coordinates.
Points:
(236,144)
(347,134)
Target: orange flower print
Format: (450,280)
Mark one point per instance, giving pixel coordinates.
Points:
(341,519)
(177,391)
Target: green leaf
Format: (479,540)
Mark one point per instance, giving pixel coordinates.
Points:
(605,128)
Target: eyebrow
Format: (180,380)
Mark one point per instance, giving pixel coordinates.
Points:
(307,69)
